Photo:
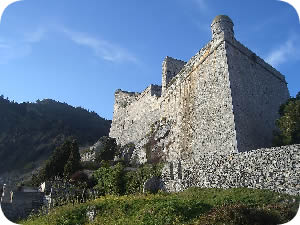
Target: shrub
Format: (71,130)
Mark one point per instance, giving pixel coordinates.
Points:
(243,214)
(79,177)
(116,180)
(288,123)
(110,180)
(134,180)
(107,149)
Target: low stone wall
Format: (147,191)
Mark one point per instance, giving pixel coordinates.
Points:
(276,169)
(22,205)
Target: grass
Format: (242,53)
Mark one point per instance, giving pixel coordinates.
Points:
(193,206)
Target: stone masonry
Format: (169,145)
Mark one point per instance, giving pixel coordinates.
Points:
(18,203)
(224,100)
(276,169)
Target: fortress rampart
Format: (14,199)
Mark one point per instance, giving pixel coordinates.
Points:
(134,113)
(223,101)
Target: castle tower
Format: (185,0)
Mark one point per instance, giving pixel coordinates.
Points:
(222,28)
(227,98)
(170,68)
(257,89)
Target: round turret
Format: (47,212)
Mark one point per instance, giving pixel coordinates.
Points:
(222,27)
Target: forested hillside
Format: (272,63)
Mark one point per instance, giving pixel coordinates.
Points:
(29,132)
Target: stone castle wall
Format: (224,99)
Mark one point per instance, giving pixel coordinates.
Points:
(170,68)
(134,113)
(276,169)
(198,125)
(224,100)
(257,91)
(209,106)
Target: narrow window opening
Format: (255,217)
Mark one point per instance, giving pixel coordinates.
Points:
(171,171)
(179,170)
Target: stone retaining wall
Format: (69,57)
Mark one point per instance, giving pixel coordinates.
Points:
(276,169)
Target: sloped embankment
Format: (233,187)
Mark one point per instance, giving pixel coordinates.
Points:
(193,206)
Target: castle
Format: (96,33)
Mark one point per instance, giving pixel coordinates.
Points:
(210,122)
(224,99)
(220,105)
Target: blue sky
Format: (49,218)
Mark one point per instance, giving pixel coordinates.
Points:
(80,52)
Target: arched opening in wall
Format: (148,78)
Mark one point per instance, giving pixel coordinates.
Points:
(171,171)
(179,170)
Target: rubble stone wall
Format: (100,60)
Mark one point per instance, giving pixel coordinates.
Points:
(276,169)
(198,105)
(170,68)
(134,113)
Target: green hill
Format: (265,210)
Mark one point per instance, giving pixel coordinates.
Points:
(234,206)
(29,132)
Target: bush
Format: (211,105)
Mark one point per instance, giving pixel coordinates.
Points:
(243,214)
(107,149)
(135,179)
(79,177)
(110,179)
(288,123)
(116,180)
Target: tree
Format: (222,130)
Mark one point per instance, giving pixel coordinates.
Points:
(107,149)
(73,163)
(288,123)
(64,161)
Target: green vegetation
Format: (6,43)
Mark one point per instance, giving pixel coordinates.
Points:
(107,150)
(29,132)
(64,161)
(89,165)
(110,179)
(135,179)
(288,123)
(193,206)
(73,163)
(116,180)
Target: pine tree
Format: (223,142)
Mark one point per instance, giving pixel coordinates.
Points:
(73,163)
